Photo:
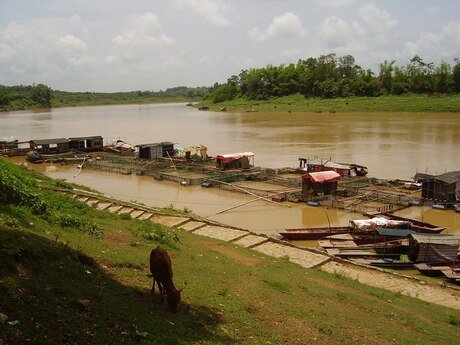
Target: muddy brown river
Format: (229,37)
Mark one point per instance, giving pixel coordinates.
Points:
(391,145)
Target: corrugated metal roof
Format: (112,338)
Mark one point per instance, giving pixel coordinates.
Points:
(229,157)
(85,138)
(439,239)
(49,141)
(450,177)
(322,176)
(164,143)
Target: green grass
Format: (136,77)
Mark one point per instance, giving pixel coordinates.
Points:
(298,103)
(66,286)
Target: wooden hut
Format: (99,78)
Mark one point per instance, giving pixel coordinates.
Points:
(156,150)
(433,248)
(49,146)
(344,169)
(239,160)
(445,187)
(87,144)
(320,183)
(8,143)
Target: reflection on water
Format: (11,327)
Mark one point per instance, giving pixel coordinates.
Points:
(392,145)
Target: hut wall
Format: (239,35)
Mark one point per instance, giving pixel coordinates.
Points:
(88,144)
(438,190)
(325,188)
(241,163)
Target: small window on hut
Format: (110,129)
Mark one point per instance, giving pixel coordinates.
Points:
(53,146)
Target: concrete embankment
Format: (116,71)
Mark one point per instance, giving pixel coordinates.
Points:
(309,258)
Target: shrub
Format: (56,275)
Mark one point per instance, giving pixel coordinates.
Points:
(67,220)
(159,233)
(17,188)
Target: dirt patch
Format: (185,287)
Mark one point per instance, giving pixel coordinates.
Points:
(115,237)
(232,253)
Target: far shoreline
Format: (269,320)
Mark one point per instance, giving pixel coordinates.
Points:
(411,103)
(297,103)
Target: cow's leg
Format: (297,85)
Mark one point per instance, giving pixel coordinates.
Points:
(160,287)
(153,285)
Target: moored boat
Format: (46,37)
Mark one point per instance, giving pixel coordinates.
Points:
(417,225)
(307,234)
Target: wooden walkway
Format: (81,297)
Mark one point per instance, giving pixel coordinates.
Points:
(306,257)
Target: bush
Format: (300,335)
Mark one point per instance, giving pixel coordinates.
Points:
(67,220)
(17,188)
(159,233)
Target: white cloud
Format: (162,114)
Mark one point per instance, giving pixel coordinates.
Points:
(38,48)
(376,18)
(72,42)
(336,32)
(335,3)
(213,11)
(445,44)
(285,25)
(143,30)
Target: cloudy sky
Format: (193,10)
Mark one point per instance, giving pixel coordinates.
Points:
(123,45)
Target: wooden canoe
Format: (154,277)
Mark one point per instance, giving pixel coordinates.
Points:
(308,234)
(417,225)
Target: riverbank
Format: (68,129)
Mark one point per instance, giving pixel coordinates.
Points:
(298,103)
(64,280)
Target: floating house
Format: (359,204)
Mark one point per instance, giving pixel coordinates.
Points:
(47,146)
(320,183)
(156,150)
(7,143)
(87,144)
(239,160)
(344,169)
(121,146)
(445,187)
(433,248)
(186,152)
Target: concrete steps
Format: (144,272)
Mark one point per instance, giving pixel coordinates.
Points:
(302,256)
(192,225)
(220,233)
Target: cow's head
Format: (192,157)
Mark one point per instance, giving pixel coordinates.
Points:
(173,299)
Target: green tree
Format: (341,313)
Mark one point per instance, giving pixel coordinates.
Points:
(444,82)
(41,94)
(386,75)
(456,75)
(4,98)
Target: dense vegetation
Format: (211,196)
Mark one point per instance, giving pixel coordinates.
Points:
(330,76)
(42,96)
(298,103)
(70,274)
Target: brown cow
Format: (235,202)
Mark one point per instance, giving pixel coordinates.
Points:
(160,266)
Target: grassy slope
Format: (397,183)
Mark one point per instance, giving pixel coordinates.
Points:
(233,295)
(297,103)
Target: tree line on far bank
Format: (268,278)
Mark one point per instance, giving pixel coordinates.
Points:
(329,76)
(42,96)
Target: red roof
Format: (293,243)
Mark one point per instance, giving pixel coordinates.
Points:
(322,176)
(234,156)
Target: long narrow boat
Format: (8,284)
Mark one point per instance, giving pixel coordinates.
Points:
(417,225)
(313,233)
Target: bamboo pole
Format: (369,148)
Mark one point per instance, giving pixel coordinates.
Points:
(261,197)
(244,203)
(177,173)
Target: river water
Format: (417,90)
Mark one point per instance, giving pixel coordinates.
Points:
(391,145)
